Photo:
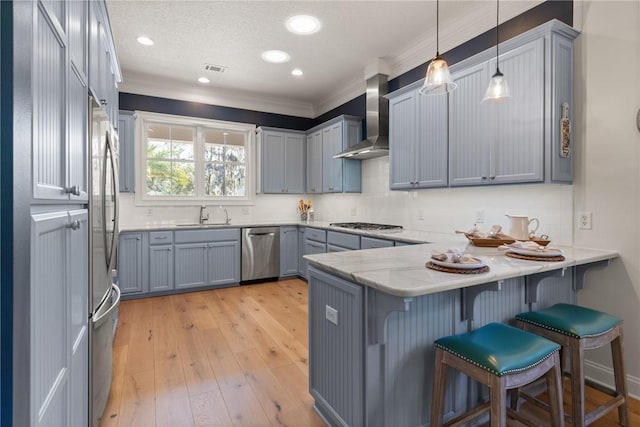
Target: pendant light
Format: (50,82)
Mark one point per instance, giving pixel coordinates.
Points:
(438,79)
(498,89)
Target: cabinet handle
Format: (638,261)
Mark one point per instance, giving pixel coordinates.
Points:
(492,178)
(160,237)
(74,225)
(137,238)
(74,189)
(483,178)
(103,101)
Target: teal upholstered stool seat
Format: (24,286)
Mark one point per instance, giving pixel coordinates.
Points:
(499,349)
(578,329)
(571,320)
(501,357)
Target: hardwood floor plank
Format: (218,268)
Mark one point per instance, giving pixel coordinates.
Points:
(196,306)
(110,416)
(297,385)
(140,357)
(209,410)
(242,405)
(279,406)
(138,407)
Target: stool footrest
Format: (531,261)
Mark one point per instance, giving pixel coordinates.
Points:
(468,416)
(603,409)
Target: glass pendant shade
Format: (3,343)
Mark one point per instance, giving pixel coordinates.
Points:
(438,80)
(498,89)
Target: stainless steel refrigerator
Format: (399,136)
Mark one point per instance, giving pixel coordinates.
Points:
(104,295)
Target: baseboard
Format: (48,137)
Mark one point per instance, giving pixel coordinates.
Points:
(604,375)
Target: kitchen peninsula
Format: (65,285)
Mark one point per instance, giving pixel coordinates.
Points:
(374,315)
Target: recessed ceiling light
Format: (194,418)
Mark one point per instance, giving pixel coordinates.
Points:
(303,24)
(203,80)
(145,40)
(275,56)
(297,72)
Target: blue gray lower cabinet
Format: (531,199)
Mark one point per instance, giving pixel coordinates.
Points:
(289,251)
(371,354)
(302,270)
(167,261)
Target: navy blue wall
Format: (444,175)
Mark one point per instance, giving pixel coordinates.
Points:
(552,9)
(6,213)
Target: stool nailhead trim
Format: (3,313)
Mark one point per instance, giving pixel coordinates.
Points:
(561,331)
(494,372)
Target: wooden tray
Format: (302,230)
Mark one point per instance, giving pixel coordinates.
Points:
(536,258)
(494,243)
(457,270)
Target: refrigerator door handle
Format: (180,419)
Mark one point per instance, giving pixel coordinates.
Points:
(97,320)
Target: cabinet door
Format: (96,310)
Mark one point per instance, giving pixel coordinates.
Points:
(78,117)
(288,251)
(126,133)
(50,317)
(518,154)
(471,127)
(94,48)
(402,140)
(311,247)
(130,263)
(431,147)
(223,262)
(190,265)
(273,162)
(78,19)
(78,267)
(160,268)
(333,248)
(294,164)
(331,168)
(314,162)
(336,371)
(301,264)
(49,80)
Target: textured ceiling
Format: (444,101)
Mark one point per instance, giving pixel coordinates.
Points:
(233,34)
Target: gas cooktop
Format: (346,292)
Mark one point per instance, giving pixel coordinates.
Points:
(365,226)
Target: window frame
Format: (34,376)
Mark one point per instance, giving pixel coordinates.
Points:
(199,125)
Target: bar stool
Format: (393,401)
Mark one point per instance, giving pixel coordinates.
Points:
(501,357)
(578,329)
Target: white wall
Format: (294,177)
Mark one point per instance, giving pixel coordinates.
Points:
(607,179)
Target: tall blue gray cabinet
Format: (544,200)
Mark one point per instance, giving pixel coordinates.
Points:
(55,66)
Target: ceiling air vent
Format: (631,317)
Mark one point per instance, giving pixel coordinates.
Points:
(215,68)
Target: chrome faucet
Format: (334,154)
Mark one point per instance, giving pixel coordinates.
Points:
(204,216)
(227,220)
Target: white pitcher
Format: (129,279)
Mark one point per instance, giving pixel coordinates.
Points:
(519,226)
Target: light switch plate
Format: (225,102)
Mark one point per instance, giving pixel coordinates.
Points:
(331,314)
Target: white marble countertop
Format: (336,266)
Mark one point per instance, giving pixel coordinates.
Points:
(401,271)
(410,236)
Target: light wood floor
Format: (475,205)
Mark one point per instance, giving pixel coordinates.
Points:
(226,357)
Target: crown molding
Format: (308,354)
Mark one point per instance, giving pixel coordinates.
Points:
(141,84)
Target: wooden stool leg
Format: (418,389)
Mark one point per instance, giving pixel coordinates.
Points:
(439,389)
(577,383)
(515,397)
(554,388)
(498,394)
(621,383)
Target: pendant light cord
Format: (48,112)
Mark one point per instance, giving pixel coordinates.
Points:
(437,27)
(497,35)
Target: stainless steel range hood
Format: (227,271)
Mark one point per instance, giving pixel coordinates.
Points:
(377,142)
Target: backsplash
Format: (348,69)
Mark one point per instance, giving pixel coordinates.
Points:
(434,210)
(449,209)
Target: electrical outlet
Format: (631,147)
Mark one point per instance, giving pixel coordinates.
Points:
(420,214)
(331,314)
(584,221)
(245,210)
(479,216)
(149,212)
(353,211)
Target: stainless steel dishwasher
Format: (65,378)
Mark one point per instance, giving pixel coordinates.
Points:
(260,253)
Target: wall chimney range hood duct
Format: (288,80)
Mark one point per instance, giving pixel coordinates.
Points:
(377,142)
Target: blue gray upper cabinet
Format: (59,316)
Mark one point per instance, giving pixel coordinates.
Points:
(314,162)
(283,160)
(126,133)
(418,134)
(338,175)
(517,140)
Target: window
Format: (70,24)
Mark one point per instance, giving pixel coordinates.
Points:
(187,160)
